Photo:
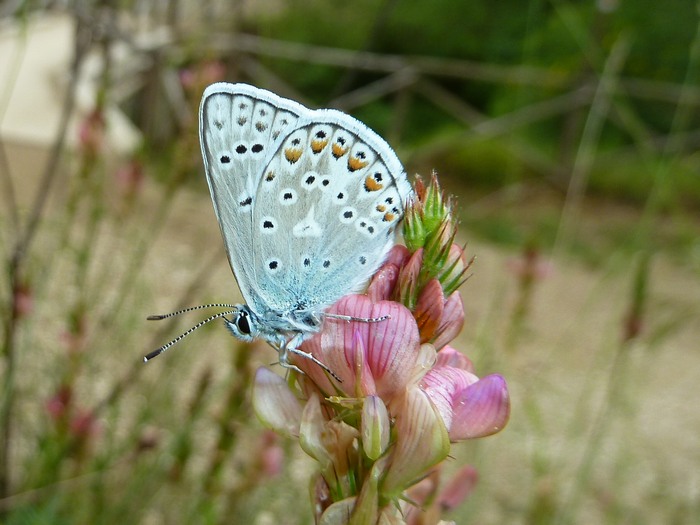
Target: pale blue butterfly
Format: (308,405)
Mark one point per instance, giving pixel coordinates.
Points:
(308,202)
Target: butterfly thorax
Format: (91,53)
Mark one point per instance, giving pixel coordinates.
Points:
(277,328)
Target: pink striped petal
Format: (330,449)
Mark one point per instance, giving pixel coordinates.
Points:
(391,347)
(429,310)
(451,322)
(398,255)
(421,442)
(383,283)
(481,409)
(449,356)
(442,384)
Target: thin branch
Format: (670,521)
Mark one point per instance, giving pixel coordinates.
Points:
(590,136)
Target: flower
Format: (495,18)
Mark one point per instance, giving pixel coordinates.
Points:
(371,358)
(469,406)
(382,424)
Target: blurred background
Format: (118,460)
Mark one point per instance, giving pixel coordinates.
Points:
(568,134)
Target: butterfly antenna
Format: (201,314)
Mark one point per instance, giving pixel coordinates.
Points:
(163,348)
(190,309)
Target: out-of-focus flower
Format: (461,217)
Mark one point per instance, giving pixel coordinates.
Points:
(202,74)
(58,404)
(129,178)
(23,300)
(84,425)
(91,132)
(271,455)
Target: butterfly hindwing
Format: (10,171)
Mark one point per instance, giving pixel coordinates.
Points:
(327,207)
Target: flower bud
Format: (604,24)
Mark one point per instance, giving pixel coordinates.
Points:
(275,404)
(375,427)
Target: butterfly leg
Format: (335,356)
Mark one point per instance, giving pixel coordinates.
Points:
(291,347)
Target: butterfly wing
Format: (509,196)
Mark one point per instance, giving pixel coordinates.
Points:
(327,207)
(240,128)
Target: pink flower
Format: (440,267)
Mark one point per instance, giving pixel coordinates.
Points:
(470,407)
(440,318)
(369,357)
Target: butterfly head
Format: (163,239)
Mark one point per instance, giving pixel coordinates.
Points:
(243,324)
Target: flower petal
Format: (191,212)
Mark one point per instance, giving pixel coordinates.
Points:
(458,488)
(339,513)
(375,427)
(383,282)
(481,409)
(421,442)
(442,384)
(275,404)
(451,322)
(391,346)
(408,278)
(429,310)
(398,255)
(449,356)
(311,434)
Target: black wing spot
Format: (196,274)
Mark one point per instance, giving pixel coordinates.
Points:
(246,202)
(225,159)
(307,262)
(326,263)
(363,259)
(347,214)
(273,265)
(257,148)
(241,149)
(310,180)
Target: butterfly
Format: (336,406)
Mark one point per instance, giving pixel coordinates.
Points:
(308,203)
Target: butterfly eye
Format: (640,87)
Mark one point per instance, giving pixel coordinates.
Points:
(242,323)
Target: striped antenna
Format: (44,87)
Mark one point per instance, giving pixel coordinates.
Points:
(163,348)
(190,309)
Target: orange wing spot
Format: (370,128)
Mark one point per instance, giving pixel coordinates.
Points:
(372,185)
(339,151)
(318,145)
(355,164)
(292,154)
(381,208)
(270,176)
(388,217)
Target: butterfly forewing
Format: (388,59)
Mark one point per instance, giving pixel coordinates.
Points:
(239,132)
